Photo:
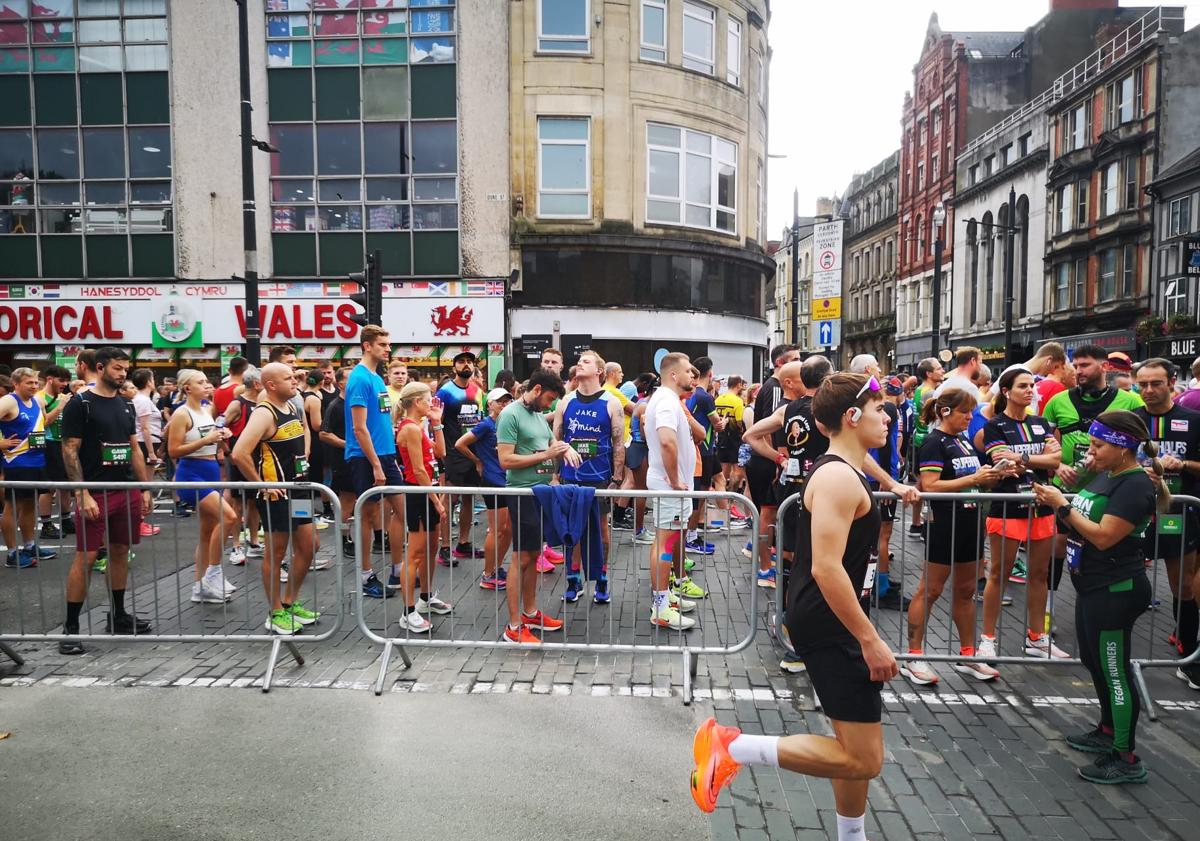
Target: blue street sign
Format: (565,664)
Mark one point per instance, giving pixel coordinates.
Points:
(829,333)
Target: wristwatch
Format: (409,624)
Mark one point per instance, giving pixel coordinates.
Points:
(1025,459)
(1063,511)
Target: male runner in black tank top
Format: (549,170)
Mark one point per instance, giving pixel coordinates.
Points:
(847,660)
(273,448)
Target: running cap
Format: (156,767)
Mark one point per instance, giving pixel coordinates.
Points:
(498,394)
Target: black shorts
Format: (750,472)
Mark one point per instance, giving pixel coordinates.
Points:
(56,471)
(887,511)
(494,502)
(461,473)
(842,681)
(363,477)
(957,540)
(420,513)
(24,474)
(636,454)
(276,514)
(728,453)
(526,524)
(235,475)
(760,476)
(341,481)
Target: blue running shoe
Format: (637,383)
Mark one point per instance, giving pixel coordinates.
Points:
(373,588)
(575,589)
(393,582)
(20,560)
(600,594)
(700,547)
(767,578)
(43,554)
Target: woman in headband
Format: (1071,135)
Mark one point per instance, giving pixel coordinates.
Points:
(1105,523)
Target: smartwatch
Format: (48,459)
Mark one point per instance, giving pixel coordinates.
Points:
(1063,511)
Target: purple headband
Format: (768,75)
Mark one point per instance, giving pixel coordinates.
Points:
(1112,436)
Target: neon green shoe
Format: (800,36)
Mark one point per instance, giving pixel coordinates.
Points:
(688,589)
(302,614)
(283,623)
(688,565)
(101,564)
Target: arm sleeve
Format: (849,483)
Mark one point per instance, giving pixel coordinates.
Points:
(664,415)
(356,391)
(1132,500)
(506,429)
(930,456)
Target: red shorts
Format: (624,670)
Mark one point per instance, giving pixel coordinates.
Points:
(1020,528)
(120,521)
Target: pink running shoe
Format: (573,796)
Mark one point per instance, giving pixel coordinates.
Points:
(544,565)
(552,555)
(149,529)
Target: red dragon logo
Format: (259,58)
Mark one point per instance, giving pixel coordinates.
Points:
(456,322)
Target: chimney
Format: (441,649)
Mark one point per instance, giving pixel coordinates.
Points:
(1062,5)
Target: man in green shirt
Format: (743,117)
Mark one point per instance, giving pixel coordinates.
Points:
(931,373)
(527,451)
(1073,410)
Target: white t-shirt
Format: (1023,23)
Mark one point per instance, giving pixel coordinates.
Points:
(665,411)
(145,408)
(957,381)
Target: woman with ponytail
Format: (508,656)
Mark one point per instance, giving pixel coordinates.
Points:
(1105,524)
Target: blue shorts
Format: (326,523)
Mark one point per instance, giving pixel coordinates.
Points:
(363,477)
(196,470)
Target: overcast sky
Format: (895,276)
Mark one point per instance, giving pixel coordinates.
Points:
(838,77)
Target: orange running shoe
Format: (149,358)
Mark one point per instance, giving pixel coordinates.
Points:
(541,621)
(522,635)
(715,768)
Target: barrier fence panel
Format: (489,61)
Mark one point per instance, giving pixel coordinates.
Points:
(143,576)
(617,592)
(989,604)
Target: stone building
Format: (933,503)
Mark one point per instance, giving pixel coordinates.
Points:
(869,262)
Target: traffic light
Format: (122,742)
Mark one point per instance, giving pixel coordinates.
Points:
(370,294)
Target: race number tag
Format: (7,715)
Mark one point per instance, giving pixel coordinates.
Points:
(37,440)
(1074,553)
(545,468)
(203,431)
(300,509)
(1170,524)
(385,402)
(868,581)
(115,455)
(791,468)
(586,447)
(301,466)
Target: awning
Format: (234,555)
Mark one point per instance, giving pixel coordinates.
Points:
(154,356)
(32,356)
(354,352)
(201,354)
(312,354)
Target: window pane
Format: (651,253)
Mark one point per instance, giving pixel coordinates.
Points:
(653,25)
(432,50)
(288,26)
(18,257)
(153,256)
(726,187)
(433,21)
(99,59)
(727,152)
(337,53)
(289,54)
(54,100)
(58,153)
(295,145)
(150,152)
(294,254)
(149,220)
(564,17)
(16,153)
(433,92)
(395,249)
(290,94)
(104,192)
(388,217)
(698,142)
(99,8)
(20,192)
(697,38)
(54,8)
(100,99)
(54,60)
(146,29)
(100,31)
(292,190)
(335,25)
(384,145)
(559,204)
(662,135)
(339,189)
(145,7)
(108,220)
(664,173)
(347,218)
(385,51)
(147,57)
(338,149)
(564,167)
(337,94)
(59,193)
(387,189)
(428,216)
(698,216)
(150,192)
(699,180)
(651,54)
(434,189)
(385,93)
(340,253)
(14,32)
(64,257)
(725,220)
(434,147)
(148,97)
(556,129)
(435,253)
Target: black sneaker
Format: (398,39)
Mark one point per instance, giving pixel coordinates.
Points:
(347,547)
(50,531)
(1189,674)
(894,600)
(68,525)
(182,510)
(916,529)
(71,647)
(125,624)
(1093,741)
(1111,770)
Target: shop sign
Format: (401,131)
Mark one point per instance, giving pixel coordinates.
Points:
(1187,347)
(1192,251)
(1110,340)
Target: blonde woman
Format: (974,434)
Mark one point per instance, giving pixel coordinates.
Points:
(193,439)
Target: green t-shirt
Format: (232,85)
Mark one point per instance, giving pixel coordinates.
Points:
(1060,411)
(1130,496)
(529,433)
(920,395)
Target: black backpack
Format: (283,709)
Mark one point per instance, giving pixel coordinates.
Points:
(1087,411)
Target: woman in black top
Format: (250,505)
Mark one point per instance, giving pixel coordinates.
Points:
(847,660)
(1105,523)
(954,535)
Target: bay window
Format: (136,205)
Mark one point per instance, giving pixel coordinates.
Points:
(691,178)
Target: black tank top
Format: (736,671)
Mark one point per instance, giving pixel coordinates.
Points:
(281,457)
(810,621)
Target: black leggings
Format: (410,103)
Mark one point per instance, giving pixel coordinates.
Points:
(1104,622)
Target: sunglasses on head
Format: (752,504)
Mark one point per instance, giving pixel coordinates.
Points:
(871,384)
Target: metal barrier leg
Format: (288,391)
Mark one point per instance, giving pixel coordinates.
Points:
(383,667)
(273,658)
(8,652)
(1139,680)
(689,672)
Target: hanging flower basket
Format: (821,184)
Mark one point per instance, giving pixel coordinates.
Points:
(1149,328)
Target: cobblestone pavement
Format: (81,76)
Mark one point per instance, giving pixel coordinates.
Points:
(964,760)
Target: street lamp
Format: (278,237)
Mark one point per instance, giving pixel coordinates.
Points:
(795,266)
(939,219)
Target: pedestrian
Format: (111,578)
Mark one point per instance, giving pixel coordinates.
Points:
(703,408)
(54,398)
(1015,439)
(236,414)
(931,375)
(968,362)
(100,445)
(847,660)
(333,439)
(954,536)
(1175,432)
(273,448)
(422,512)
(479,444)
(23,442)
(1106,523)
(459,397)
(1190,399)
(397,379)
(527,450)
(193,441)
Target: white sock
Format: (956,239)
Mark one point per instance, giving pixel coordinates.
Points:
(366,575)
(692,535)
(660,599)
(396,569)
(851,829)
(755,750)
(213,574)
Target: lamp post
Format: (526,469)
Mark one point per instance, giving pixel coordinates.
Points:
(939,218)
(252,348)
(795,267)
(1009,236)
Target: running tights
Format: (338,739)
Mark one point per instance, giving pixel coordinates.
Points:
(1104,620)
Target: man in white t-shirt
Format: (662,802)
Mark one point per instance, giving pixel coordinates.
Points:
(149,419)
(968,360)
(672,464)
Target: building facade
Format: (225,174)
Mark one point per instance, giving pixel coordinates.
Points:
(638,179)
(1108,140)
(869,262)
(1172,329)
(121,157)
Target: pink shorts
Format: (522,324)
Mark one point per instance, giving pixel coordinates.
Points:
(120,521)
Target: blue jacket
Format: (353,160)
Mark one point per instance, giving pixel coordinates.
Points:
(570,516)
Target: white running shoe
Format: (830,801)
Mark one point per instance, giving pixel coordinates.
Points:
(669,617)
(215,576)
(254,550)
(977,670)
(415,623)
(680,604)
(645,536)
(792,664)
(987,647)
(283,573)
(237,556)
(1044,647)
(319,564)
(434,605)
(203,593)
(922,674)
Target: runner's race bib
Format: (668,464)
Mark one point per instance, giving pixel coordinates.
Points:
(115,455)
(586,447)
(301,466)
(37,440)
(1074,553)
(300,509)
(868,581)
(385,402)
(546,468)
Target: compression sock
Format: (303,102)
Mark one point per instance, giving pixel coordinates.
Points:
(118,603)
(852,829)
(1189,625)
(71,626)
(882,583)
(755,750)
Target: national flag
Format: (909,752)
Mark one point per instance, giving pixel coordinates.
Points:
(3,291)
(476,287)
(304,290)
(289,54)
(495,287)
(16,291)
(33,291)
(439,290)
(416,287)
(52,290)
(275,290)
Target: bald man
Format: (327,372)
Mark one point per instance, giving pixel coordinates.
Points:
(274,448)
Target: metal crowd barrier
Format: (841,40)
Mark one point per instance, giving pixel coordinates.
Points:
(161,573)
(621,626)
(901,535)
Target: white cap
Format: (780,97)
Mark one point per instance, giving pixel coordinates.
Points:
(498,393)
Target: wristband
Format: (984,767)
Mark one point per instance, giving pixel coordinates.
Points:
(437,428)
(779,461)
